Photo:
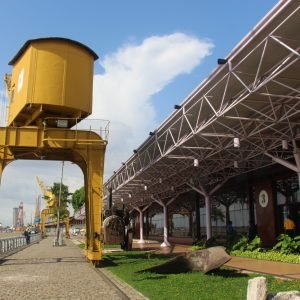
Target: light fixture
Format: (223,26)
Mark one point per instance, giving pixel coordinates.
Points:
(160,180)
(236,164)
(122,199)
(236,142)
(129,195)
(62,123)
(285,145)
(145,187)
(176,106)
(222,61)
(196,162)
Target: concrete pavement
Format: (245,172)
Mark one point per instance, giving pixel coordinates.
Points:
(45,272)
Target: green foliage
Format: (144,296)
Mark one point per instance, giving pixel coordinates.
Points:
(241,244)
(245,245)
(202,244)
(78,198)
(286,250)
(287,245)
(199,245)
(254,244)
(63,211)
(217,214)
(268,255)
(64,191)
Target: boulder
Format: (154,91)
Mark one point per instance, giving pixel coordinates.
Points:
(257,289)
(201,261)
(291,295)
(207,259)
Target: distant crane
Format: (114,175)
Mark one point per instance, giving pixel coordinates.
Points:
(21,213)
(37,214)
(51,203)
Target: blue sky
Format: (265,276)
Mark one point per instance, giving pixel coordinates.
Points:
(132,38)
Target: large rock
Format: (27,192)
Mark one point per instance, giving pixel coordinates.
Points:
(207,259)
(291,295)
(202,260)
(257,289)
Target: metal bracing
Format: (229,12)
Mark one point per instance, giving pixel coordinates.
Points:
(234,122)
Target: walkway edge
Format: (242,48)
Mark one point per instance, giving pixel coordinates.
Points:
(122,285)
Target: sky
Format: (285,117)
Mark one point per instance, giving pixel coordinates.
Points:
(152,55)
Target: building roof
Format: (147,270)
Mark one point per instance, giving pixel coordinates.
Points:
(243,117)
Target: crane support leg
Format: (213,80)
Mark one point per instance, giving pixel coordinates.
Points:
(85,148)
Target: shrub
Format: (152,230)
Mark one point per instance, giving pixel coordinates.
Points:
(244,244)
(287,244)
(202,244)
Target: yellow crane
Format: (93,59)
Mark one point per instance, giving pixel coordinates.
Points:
(51,204)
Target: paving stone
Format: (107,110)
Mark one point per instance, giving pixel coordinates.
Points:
(45,272)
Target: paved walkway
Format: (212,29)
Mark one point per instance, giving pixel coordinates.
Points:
(280,269)
(45,272)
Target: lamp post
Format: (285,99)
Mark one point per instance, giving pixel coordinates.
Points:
(58,208)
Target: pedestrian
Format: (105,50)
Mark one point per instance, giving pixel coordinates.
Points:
(27,236)
(289,226)
(229,229)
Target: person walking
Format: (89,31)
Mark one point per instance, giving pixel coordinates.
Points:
(27,236)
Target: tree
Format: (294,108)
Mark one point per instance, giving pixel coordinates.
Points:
(227,199)
(63,209)
(78,198)
(64,191)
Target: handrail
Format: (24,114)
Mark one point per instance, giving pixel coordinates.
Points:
(10,245)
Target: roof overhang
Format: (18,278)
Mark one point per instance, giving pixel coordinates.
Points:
(243,117)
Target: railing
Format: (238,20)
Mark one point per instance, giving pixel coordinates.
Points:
(99,126)
(10,245)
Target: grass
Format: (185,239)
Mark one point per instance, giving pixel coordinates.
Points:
(222,284)
(113,246)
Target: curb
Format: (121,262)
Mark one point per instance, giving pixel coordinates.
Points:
(127,289)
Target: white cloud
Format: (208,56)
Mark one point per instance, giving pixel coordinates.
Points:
(132,75)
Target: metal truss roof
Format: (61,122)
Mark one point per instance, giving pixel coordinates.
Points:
(243,117)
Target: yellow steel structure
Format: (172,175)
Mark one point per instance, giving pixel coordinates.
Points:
(51,203)
(48,195)
(49,89)
(51,77)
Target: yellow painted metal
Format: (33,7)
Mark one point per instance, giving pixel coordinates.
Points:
(51,87)
(45,212)
(50,77)
(51,203)
(85,148)
(48,195)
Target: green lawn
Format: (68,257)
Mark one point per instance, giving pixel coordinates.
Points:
(222,284)
(113,246)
